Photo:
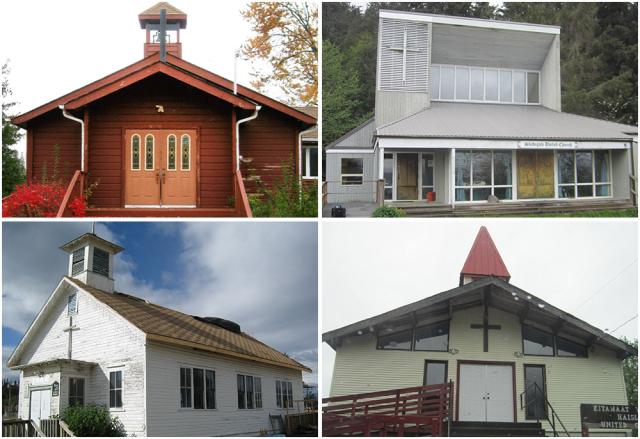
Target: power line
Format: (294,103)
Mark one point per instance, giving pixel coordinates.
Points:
(606,284)
(623,324)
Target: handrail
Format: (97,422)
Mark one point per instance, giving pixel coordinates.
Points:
(36,429)
(241,200)
(548,405)
(64,427)
(67,196)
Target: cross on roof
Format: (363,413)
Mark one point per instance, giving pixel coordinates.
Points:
(404,49)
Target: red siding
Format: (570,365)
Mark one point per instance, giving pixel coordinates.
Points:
(46,132)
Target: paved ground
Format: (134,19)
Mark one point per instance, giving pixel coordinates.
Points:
(355,209)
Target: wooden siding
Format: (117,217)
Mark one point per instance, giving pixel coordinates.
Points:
(269,142)
(337,192)
(166,418)
(360,367)
(103,337)
(46,132)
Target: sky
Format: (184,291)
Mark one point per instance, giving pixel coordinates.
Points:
(588,268)
(262,275)
(57,47)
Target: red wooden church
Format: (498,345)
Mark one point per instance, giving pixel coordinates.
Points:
(163,136)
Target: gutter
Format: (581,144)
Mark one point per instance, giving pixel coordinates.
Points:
(246,119)
(81,122)
(308,130)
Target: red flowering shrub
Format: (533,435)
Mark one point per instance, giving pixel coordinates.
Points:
(40,200)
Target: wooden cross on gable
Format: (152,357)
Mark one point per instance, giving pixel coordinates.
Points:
(485,326)
(404,49)
(70,330)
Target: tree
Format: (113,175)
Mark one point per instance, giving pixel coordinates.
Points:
(630,370)
(13,172)
(287,39)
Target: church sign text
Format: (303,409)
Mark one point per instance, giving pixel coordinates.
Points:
(611,416)
(545,144)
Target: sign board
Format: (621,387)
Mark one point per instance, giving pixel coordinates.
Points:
(610,416)
(55,389)
(545,144)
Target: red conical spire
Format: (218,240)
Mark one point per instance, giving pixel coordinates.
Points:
(483,260)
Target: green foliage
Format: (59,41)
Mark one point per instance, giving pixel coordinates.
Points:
(287,198)
(13,172)
(388,212)
(92,420)
(630,370)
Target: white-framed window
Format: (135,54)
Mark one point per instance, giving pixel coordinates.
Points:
(584,173)
(284,394)
(249,392)
(352,171)
(115,389)
(185,387)
(481,173)
(76,391)
(135,152)
(309,161)
(77,261)
(185,153)
(389,164)
(149,152)
(171,153)
(72,304)
(197,388)
(483,84)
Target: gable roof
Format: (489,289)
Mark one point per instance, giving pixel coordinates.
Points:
(312,111)
(155,9)
(360,137)
(501,295)
(499,121)
(484,259)
(174,67)
(173,327)
(174,15)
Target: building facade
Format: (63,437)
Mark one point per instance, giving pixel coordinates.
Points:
(468,111)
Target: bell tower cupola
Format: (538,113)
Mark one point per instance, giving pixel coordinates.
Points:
(91,260)
(163,19)
(483,260)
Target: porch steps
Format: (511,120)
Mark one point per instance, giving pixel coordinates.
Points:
(159,212)
(496,429)
(421,209)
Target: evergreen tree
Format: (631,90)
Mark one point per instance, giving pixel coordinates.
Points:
(13,172)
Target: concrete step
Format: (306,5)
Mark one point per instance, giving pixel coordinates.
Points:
(497,429)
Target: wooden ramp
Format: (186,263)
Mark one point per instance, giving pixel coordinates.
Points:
(412,411)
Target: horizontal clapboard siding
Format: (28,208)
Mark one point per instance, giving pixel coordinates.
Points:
(339,193)
(360,367)
(392,33)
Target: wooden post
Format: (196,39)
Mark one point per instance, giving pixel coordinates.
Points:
(380,193)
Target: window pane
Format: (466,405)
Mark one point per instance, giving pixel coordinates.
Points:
(186,153)
(519,87)
(258,390)
(584,167)
(585,191)
(435,82)
(388,170)
(463,168)
(535,392)
(210,382)
(78,262)
(433,337)
(462,83)
(241,404)
(602,166)
(278,394)
(491,85)
(502,168)
(481,194)
(388,193)
(503,193)
(533,88)
(101,262)
(135,153)
(537,342)
(446,82)
(290,393)
(435,373)
(313,162)
(427,170)
(505,86)
(565,167)
(482,169)
(566,191)
(399,340)
(603,190)
(198,388)
(249,390)
(171,153)
(567,348)
(463,194)
(72,304)
(148,165)
(352,166)
(477,84)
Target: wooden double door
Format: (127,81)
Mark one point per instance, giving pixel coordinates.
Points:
(160,168)
(535,174)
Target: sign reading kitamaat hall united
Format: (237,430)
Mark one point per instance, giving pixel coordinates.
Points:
(545,144)
(609,416)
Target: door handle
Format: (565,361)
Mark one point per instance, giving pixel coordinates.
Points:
(163,175)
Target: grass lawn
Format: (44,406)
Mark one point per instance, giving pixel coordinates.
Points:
(630,213)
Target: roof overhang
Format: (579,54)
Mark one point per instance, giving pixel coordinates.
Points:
(90,237)
(55,362)
(501,295)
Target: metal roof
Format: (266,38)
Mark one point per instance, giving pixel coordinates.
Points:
(359,137)
(503,121)
(484,258)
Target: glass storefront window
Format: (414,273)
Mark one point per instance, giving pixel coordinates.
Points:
(584,174)
(480,174)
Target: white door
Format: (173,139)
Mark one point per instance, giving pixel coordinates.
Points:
(486,393)
(40,405)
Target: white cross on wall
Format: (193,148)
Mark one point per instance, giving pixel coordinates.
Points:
(70,330)
(404,49)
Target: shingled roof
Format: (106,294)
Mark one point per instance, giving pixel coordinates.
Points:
(155,9)
(173,327)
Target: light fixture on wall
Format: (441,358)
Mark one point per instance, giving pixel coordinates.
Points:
(518,354)
(453,351)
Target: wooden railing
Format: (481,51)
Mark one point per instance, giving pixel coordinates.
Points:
(411,411)
(20,428)
(76,185)
(55,428)
(243,209)
(325,193)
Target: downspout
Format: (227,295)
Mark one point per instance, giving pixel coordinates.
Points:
(81,122)
(246,119)
(308,130)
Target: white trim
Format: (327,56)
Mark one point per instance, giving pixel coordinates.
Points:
(181,152)
(460,143)
(153,153)
(306,150)
(119,368)
(361,175)
(349,151)
(175,159)
(131,152)
(471,22)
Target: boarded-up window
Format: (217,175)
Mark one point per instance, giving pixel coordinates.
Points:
(77,265)
(185,387)
(76,391)
(72,304)
(101,262)
(115,389)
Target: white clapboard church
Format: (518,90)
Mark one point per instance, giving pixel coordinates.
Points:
(496,360)
(160,371)
(468,116)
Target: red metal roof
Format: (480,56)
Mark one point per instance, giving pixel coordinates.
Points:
(484,258)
